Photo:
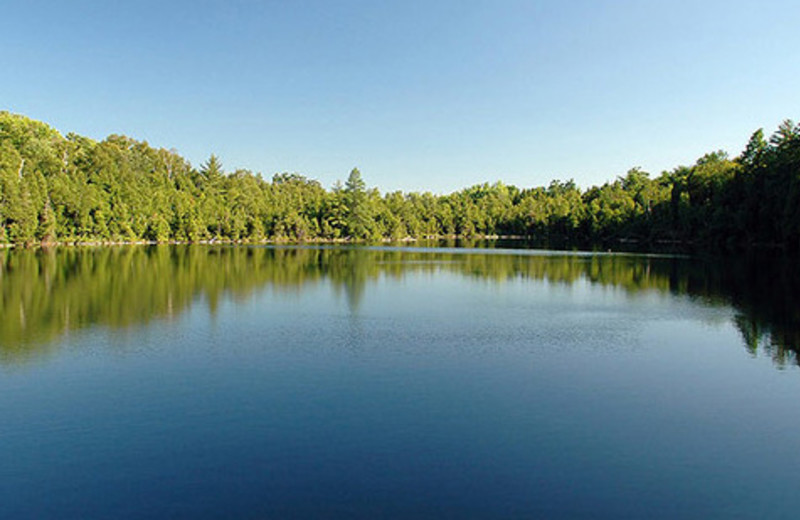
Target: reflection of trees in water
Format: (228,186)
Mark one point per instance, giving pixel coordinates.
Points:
(351,270)
(47,293)
(766,292)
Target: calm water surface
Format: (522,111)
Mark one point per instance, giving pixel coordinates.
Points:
(258,382)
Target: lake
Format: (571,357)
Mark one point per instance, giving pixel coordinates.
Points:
(396,382)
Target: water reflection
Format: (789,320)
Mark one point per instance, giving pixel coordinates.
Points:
(48,293)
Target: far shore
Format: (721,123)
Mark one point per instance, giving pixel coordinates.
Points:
(223,241)
(619,244)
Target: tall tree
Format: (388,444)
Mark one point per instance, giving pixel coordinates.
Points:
(359,218)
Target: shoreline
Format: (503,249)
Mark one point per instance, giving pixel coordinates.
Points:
(624,244)
(113,243)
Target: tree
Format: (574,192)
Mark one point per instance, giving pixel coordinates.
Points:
(359,217)
(212,207)
(46,232)
(355,184)
(212,169)
(754,153)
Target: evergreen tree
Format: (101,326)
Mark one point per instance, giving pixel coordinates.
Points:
(359,217)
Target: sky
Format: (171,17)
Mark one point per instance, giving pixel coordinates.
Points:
(419,95)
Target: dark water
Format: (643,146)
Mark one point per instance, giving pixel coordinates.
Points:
(201,382)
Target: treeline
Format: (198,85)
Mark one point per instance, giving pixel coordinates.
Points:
(74,189)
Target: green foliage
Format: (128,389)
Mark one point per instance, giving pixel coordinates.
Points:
(73,189)
(358,205)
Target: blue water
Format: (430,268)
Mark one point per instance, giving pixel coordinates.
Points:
(407,385)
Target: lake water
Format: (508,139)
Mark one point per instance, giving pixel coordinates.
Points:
(339,382)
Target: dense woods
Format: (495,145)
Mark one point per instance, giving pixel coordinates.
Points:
(56,189)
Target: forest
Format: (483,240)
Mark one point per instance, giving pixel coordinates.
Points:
(69,189)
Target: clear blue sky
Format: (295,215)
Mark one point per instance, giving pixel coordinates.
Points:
(420,95)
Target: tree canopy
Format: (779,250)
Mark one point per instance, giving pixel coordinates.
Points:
(74,189)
